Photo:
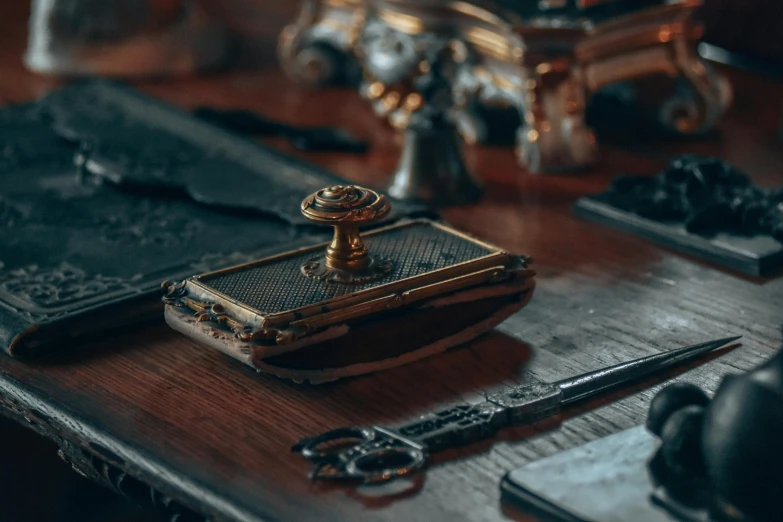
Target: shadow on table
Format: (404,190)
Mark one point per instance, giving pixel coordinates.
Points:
(35,485)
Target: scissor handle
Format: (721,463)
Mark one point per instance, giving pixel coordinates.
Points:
(314,449)
(369,455)
(384,463)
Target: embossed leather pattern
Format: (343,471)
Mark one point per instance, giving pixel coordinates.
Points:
(156,199)
(413,250)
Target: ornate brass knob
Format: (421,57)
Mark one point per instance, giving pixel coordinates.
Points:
(347,260)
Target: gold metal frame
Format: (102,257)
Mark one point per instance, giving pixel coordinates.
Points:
(250,324)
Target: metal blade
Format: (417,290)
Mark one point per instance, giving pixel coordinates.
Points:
(588,384)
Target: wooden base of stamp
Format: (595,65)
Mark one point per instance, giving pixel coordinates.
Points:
(373,343)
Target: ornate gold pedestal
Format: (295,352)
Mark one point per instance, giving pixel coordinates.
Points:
(545,63)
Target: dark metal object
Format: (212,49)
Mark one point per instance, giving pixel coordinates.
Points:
(158,195)
(700,205)
(433,169)
(381,454)
(721,459)
(304,138)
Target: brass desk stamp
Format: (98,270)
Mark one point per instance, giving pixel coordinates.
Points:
(358,304)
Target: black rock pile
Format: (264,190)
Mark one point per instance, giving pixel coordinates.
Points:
(707,195)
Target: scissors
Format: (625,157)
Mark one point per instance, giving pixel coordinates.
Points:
(379,454)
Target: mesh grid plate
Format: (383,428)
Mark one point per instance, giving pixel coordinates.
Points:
(280,286)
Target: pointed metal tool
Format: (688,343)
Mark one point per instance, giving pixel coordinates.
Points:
(590,383)
(379,454)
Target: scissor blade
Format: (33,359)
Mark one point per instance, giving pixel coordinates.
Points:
(588,384)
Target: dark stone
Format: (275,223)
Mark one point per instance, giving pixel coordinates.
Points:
(707,195)
(670,399)
(681,440)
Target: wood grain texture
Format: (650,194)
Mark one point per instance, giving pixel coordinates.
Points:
(208,432)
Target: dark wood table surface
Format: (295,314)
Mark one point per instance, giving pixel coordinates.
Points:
(214,436)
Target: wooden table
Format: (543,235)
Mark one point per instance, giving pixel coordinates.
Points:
(151,410)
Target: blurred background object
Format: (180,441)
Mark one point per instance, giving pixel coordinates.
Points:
(542,62)
(123,38)
(119,35)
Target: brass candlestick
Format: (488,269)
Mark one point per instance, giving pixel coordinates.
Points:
(347,260)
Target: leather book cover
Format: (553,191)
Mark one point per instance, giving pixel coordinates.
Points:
(105,193)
